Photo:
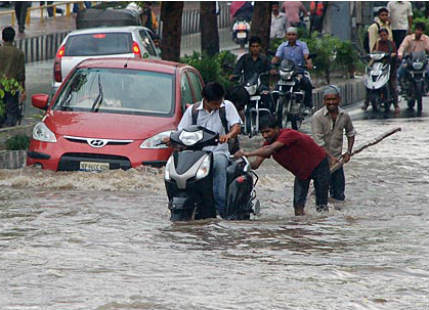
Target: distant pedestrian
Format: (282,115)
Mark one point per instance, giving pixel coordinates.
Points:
(148,17)
(21,14)
(278,22)
(50,9)
(293,10)
(328,126)
(401,18)
(76,7)
(317,12)
(12,66)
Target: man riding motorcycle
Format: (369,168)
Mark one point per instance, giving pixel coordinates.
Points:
(415,42)
(250,64)
(209,116)
(297,51)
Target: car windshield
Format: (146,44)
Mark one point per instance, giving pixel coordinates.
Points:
(98,44)
(117,91)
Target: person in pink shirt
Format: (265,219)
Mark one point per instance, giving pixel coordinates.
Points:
(415,42)
(292,10)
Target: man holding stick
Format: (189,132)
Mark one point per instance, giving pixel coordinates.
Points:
(328,126)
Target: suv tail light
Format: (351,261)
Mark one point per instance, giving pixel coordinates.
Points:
(136,50)
(57,64)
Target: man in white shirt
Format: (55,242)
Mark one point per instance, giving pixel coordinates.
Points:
(401,18)
(208,115)
(278,22)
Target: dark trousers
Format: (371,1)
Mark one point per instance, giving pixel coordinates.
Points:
(398,36)
(337,184)
(321,178)
(21,13)
(13,112)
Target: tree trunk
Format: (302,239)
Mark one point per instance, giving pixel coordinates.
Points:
(261,22)
(171,17)
(209,29)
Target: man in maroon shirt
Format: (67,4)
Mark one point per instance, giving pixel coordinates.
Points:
(298,153)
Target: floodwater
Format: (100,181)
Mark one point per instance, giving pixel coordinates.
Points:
(103,241)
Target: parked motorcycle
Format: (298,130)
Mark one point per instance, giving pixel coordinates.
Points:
(240,32)
(415,79)
(189,179)
(289,96)
(376,81)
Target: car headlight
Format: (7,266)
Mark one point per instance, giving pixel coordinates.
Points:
(41,132)
(204,169)
(155,142)
(417,65)
(167,169)
(190,138)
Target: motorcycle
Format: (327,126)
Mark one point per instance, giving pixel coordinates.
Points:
(256,106)
(415,79)
(289,96)
(189,179)
(240,32)
(376,81)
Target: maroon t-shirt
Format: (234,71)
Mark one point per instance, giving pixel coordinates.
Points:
(300,154)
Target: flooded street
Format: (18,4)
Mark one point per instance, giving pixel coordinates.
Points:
(104,241)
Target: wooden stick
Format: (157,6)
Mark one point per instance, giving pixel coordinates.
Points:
(360,148)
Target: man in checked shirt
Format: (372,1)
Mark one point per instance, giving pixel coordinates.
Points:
(328,126)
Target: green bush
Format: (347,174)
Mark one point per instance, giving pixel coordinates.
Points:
(216,68)
(18,142)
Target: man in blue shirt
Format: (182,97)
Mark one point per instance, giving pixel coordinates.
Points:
(298,52)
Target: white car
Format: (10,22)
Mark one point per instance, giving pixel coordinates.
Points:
(100,42)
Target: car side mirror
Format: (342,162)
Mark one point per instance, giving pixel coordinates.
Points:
(40,101)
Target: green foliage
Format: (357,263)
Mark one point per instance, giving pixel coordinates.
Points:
(7,85)
(216,68)
(421,20)
(18,142)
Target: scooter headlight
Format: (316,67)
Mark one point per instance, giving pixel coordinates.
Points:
(191,138)
(41,132)
(251,89)
(418,65)
(167,168)
(204,169)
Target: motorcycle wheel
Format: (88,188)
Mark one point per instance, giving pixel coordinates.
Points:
(282,117)
(419,100)
(410,104)
(182,215)
(387,100)
(295,121)
(374,104)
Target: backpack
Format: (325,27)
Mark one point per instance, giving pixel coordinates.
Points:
(366,39)
(233,144)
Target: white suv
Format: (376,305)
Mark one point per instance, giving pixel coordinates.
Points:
(101,42)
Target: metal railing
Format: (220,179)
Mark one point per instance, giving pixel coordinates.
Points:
(42,9)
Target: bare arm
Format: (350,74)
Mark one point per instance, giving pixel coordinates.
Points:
(235,131)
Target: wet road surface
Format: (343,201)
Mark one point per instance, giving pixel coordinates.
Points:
(103,240)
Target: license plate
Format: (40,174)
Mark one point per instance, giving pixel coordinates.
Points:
(93,166)
(255,98)
(241,35)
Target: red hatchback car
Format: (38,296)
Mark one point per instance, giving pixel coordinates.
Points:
(112,113)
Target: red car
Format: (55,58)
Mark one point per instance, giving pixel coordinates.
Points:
(112,113)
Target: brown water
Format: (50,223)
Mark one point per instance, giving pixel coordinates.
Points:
(103,241)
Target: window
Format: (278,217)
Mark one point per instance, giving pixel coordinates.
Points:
(118,91)
(147,42)
(98,44)
(196,85)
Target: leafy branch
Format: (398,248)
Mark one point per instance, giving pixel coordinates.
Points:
(7,85)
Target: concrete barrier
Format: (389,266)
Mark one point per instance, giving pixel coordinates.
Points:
(13,159)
